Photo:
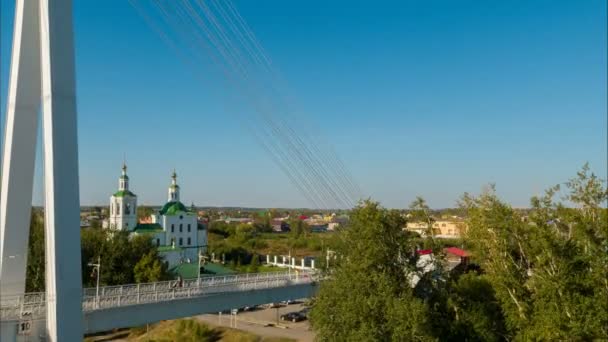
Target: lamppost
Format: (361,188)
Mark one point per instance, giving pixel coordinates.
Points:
(97,268)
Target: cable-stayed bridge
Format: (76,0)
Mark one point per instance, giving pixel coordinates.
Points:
(42,85)
(110,307)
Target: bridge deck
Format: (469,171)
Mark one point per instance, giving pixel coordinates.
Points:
(33,305)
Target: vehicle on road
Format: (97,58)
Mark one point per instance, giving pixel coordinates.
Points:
(295,316)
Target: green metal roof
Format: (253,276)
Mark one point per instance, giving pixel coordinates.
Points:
(189,271)
(123,193)
(143,228)
(173,207)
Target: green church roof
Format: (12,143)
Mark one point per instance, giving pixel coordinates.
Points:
(144,228)
(123,193)
(172,208)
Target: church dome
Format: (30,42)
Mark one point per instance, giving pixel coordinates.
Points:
(172,208)
(124,193)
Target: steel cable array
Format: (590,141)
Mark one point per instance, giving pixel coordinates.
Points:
(196,29)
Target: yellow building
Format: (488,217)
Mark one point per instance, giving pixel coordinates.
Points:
(441,229)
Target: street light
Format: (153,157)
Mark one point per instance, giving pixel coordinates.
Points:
(97,268)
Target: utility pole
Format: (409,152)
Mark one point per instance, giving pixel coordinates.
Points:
(97,268)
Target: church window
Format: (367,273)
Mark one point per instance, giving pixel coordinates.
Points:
(181,227)
(181,241)
(172,228)
(188,242)
(157,242)
(188,227)
(128,209)
(117,209)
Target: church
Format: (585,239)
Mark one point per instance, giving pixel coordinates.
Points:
(174,228)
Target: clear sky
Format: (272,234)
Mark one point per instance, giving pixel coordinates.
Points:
(430,98)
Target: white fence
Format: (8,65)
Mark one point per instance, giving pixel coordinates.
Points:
(290,262)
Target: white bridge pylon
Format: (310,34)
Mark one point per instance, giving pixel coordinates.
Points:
(42,80)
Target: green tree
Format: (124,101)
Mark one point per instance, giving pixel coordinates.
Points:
(548,269)
(149,269)
(254,266)
(119,254)
(420,212)
(144,212)
(368,296)
(35,276)
(298,228)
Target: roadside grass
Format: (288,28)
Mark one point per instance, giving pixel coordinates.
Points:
(190,330)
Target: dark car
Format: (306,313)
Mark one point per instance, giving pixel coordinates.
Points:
(273,305)
(293,316)
(250,308)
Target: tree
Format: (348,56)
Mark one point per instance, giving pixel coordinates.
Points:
(368,296)
(255,264)
(548,269)
(421,212)
(149,269)
(35,276)
(144,212)
(298,228)
(120,254)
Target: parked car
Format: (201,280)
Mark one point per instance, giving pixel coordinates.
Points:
(295,316)
(250,308)
(273,305)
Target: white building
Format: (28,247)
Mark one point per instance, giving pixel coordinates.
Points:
(174,228)
(123,205)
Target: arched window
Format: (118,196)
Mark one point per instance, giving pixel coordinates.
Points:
(172,228)
(188,242)
(188,227)
(181,241)
(181,227)
(128,209)
(157,242)
(117,209)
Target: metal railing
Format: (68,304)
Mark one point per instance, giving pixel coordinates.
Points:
(33,305)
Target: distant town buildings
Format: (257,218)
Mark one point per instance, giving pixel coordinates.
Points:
(448,229)
(174,228)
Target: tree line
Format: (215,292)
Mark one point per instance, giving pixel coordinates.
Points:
(541,274)
(124,259)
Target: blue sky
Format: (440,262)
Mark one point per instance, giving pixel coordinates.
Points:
(430,98)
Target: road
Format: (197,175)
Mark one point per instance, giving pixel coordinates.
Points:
(261,322)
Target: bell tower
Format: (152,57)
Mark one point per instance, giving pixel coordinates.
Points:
(173,189)
(123,205)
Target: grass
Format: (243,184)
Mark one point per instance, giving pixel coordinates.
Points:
(192,330)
